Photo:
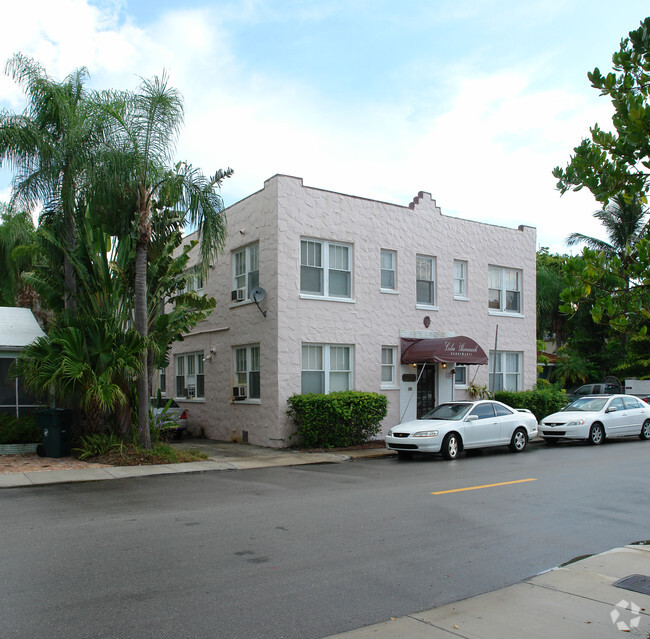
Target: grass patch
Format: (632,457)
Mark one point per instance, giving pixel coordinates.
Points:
(136,456)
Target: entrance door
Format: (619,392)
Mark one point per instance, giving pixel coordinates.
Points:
(426,389)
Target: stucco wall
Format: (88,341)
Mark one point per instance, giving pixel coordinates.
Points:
(278,217)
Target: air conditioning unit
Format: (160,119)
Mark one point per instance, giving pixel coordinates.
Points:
(238,295)
(190,392)
(239,392)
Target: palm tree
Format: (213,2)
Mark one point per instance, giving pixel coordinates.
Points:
(625,223)
(138,174)
(51,147)
(16,234)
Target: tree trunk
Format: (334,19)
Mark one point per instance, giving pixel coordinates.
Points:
(141,324)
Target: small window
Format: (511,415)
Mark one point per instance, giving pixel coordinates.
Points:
(388,366)
(425,280)
(247,369)
(460,279)
(388,275)
(193,280)
(483,411)
(326,368)
(461,376)
(325,269)
(190,381)
(504,289)
(505,371)
(502,411)
(632,402)
(246,271)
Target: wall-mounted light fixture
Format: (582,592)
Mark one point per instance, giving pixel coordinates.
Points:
(443,365)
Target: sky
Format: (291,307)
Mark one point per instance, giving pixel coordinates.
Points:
(473,101)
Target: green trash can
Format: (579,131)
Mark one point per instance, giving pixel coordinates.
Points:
(56,424)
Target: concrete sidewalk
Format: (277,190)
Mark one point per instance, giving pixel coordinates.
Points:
(575,601)
(221,456)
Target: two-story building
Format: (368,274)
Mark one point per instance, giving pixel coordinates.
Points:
(319,291)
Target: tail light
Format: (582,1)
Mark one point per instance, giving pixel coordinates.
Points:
(184,415)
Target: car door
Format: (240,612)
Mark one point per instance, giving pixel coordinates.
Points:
(508,421)
(636,415)
(481,427)
(615,418)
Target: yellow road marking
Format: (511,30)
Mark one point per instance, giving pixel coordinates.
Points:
(504,483)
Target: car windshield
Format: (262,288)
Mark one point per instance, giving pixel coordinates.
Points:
(448,411)
(587,404)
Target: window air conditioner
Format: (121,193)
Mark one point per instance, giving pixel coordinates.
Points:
(190,392)
(239,392)
(238,295)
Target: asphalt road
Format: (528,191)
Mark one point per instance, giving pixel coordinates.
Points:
(304,552)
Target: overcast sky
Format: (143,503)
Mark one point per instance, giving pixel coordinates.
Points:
(474,101)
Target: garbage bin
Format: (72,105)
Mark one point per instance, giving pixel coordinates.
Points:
(55,424)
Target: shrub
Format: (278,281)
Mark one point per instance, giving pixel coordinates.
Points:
(337,420)
(23,430)
(542,401)
(99,444)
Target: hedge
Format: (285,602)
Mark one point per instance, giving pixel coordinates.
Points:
(19,431)
(337,420)
(541,402)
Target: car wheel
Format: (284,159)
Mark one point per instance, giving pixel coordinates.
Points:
(518,441)
(596,435)
(402,454)
(645,430)
(552,441)
(450,446)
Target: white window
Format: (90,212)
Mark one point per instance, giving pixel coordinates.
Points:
(388,275)
(460,379)
(504,289)
(326,368)
(193,280)
(388,366)
(325,269)
(460,278)
(425,280)
(189,375)
(246,271)
(162,381)
(247,369)
(505,371)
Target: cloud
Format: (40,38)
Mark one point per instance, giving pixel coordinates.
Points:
(483,143)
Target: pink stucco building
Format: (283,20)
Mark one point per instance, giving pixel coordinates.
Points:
(348,285)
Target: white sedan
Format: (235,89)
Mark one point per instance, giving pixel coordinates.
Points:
(596,417)
(455,426)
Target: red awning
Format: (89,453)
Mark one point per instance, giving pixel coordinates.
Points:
(459,349)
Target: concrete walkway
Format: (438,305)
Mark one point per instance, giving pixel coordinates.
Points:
(572,601)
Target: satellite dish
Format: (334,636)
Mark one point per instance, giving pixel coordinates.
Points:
(258,294)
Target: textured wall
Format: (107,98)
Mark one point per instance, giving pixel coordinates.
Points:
(284,212)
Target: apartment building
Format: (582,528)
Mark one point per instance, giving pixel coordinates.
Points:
(320,291)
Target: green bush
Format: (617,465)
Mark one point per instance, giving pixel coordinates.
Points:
(337,420)
(99,444)
(24,430)
(542,401)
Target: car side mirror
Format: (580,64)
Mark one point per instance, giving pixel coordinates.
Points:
(612,409)
(471,418)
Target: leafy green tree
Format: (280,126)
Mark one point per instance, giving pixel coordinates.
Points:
(51,148)
(16,235)
(145,126)
(624,220)
(616,164)
(85,361)
(550,284)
